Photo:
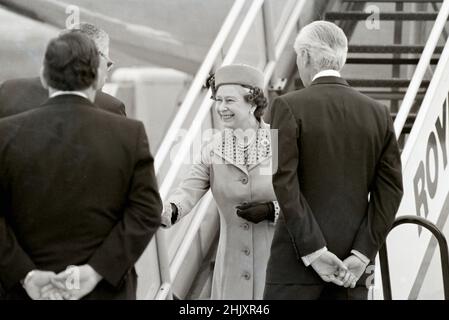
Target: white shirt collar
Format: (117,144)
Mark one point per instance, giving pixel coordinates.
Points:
(327,73)
(76,93)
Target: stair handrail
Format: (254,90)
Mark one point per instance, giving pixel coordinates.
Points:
(167,183)
(421,68)
(207,102)
(283,40)
(197,83)
(175,126)
(204,109)
(428,106)
(437,90)
(189,237)
(383,253)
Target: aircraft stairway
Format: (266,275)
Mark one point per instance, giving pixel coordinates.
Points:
(409,72)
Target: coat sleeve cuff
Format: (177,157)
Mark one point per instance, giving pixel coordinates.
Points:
(110,275)
(361,256)
(310,258)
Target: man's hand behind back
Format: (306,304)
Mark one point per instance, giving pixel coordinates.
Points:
(330,268)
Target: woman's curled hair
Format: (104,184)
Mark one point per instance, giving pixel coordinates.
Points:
(257,98)
(210,84)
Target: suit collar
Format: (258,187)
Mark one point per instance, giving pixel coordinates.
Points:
(327,73)
(75,93)
(37,82)
(69,99)
(329,80)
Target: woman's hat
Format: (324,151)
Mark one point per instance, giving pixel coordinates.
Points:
(239,74)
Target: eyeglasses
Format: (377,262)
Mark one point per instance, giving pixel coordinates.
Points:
(109,62)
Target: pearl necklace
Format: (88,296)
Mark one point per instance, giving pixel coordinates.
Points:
(243,146)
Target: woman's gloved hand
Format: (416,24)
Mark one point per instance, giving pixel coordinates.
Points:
(256,212)
(169,215)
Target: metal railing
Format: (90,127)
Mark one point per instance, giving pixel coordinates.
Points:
(169,138)
(273,53)
(195,87)
(421,68)
(437,86)
(206,105)
(383,254)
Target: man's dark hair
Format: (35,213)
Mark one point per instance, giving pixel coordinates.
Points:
(71,62)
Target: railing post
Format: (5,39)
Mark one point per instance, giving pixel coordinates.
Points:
(385,270)
(444,253)
(396,69)
(268,32)
(164,268)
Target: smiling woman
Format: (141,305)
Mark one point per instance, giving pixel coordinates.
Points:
(233,109)
(234,166)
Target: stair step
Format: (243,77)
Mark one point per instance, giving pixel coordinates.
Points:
(413,61)
(384,83)
(375,83)
(385,16)
(408,123)
(391,48)
(410,118)
(390,95)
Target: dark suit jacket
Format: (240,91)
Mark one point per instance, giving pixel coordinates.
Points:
(336,146)
(20,95)
(77,186)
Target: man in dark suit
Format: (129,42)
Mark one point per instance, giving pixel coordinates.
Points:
(338,181)
(19,95)
(77,187)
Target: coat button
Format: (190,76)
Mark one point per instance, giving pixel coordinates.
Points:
(244,180)
(245,226)
(246,275)
(247,251)
(244,203)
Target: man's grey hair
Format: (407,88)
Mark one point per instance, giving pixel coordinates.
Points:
(325,43)
(99,36)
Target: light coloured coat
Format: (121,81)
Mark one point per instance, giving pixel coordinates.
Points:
(244,247)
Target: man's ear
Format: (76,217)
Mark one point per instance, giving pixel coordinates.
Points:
(305,58)
(96,83)
(43,81)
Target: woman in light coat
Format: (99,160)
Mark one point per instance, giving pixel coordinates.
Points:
(236,166)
